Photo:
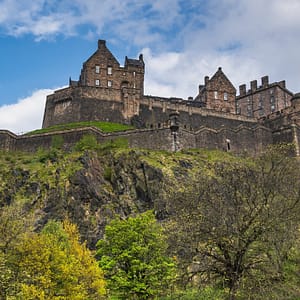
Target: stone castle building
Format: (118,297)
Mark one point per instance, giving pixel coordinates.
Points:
(215,118)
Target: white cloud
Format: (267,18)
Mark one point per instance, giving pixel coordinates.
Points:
(26,115)
(248,39)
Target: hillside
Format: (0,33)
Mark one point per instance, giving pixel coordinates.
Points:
(95,183)
(90,187)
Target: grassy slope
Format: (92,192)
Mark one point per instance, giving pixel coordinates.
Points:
(103,126)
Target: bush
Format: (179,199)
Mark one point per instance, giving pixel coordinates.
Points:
(87,142)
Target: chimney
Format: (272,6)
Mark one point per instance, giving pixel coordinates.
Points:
(253,85)
(206,79)
(282,84)
(265,81)
(242,90)
(101,43)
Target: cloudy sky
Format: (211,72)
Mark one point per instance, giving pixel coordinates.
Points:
(44,42)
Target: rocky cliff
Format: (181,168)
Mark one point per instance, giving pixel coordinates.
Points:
(91,187)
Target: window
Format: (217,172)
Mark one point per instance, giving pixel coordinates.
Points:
(109,83)
(109,70)
(285,101)
(272,107)
(272,100)
(261,112)
(238,108)
(271,91)
(97,82)
(215,94)
(225,96)
(228,144)
(97,69)
(134,74)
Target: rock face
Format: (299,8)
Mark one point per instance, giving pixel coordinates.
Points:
(89,188)
(92,187)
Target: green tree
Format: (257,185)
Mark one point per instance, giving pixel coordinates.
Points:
(55,265)
(133,258)
(242,220)
(14,223)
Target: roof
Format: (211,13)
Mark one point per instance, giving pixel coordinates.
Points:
(134,62)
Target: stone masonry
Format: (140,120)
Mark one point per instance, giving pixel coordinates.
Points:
(216,118)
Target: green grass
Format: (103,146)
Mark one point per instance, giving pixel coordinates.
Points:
(103,126)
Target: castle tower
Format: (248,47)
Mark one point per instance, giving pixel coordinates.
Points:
(105,91)
(217,93)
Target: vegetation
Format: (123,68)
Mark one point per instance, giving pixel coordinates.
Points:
(103,126)
(52,264)
(243,221)
(133,258)
(229,226)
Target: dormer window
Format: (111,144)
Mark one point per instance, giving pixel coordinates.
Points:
(97,69)
(109,70)
(225,96)
(215,94)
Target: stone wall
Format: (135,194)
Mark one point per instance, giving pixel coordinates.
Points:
(103,70)
(155,114)
(242,139)
(263,100)
(83,104)
(7,140)
(220,93)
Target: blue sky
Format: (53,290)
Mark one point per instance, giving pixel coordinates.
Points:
(44,42)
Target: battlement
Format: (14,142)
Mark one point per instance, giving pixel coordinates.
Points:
(264,85)
(264,114)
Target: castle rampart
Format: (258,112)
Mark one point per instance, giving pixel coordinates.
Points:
(215,118)
(241,139)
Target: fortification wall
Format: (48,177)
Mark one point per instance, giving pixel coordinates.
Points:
(7,140)
(242,139)
(239,140)
(76,108)
(155,113)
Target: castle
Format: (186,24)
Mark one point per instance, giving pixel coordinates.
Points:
(216,118)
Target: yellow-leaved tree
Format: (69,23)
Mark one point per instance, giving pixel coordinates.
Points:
(54,264)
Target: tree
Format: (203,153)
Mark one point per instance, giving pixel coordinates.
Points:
(242,220)
(54,265)
(14,223)
(133,258)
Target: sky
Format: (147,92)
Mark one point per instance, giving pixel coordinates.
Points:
(44,42)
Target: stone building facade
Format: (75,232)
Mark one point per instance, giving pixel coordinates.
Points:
(217,93)
(216,118)
(263,100)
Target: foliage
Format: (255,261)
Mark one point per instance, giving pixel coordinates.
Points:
(132,256)
(242,221)
(207,293)
(54,265)
(87,142)
(103,126)
(57,142)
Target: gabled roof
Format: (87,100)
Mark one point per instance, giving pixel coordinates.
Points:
(103,49)
(218,74)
